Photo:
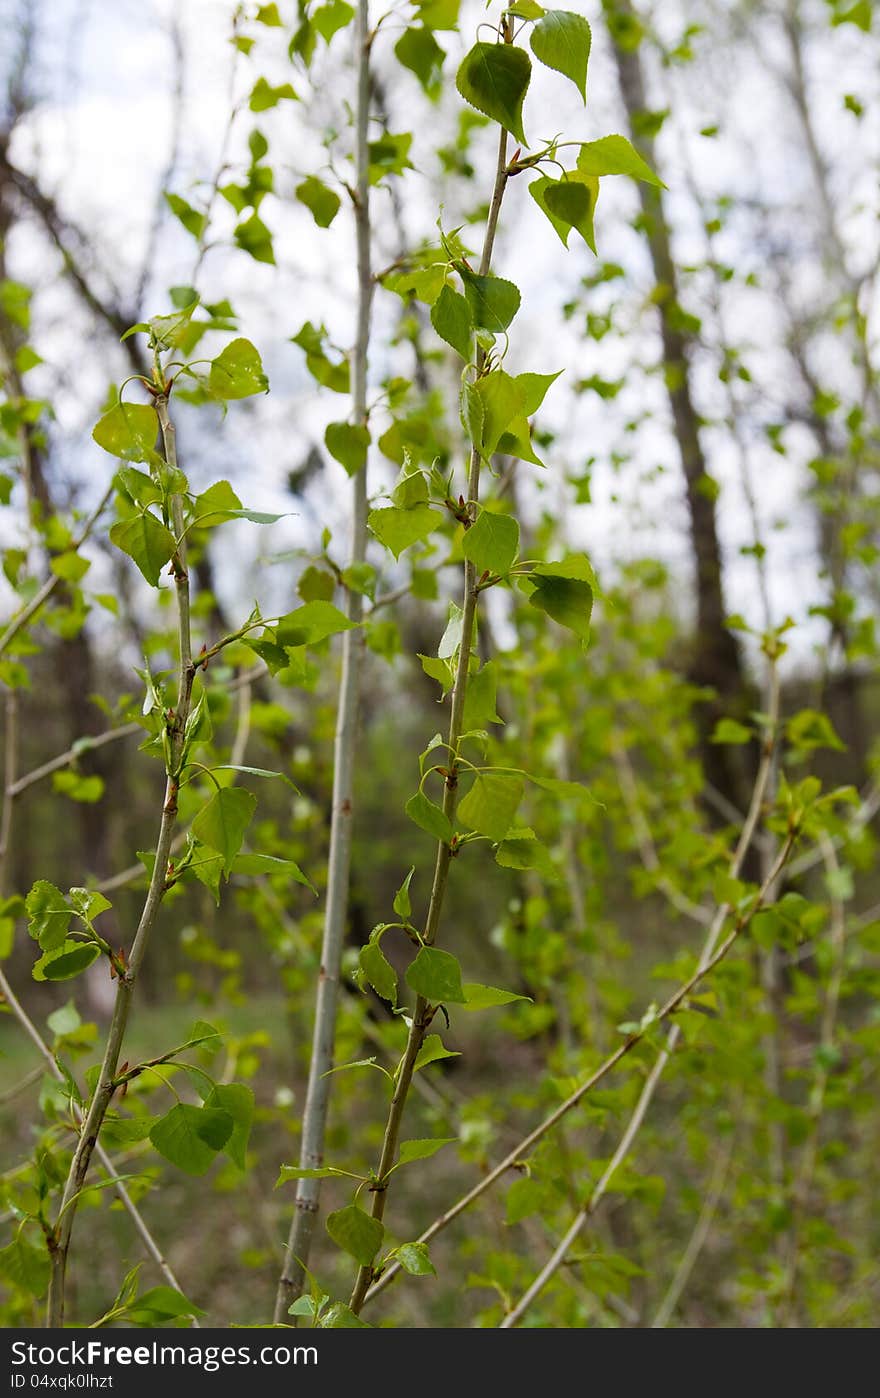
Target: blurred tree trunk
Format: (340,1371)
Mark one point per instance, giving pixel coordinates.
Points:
(715,661)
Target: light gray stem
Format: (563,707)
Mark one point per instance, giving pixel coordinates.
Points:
(339,862)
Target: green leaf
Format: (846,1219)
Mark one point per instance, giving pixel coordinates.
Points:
(221,823)
(379,972)
(62,964)
(311,623)
(264,95)
(338,1316)
(413,1258)
(48,915)
(160,1304)
(492,542)
(330,18)
(494,78)
(128,430)
(26,1266)
(253,237)
(491,805)
(418,50)
(432,1051)
(322,203)
(810,729)
(481,698)
(347,443)
(501,398)
(422,1150)
(190,1137)
(268,15)
(256,864)
(614,155)
(237,1100)
(486,997)
(525,854)
(493,302)
(70,566)
(561,40)
(402,905)
(356,1233)
(452,319)
(436,976)
(87,790)
(569,203)
(64,1020)
(569,601)
(294,1172)
(728,730)
(429,817)
(237,372)
(146,541)
(194,222)
(399,529)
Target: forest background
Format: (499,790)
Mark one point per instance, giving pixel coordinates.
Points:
(673,750)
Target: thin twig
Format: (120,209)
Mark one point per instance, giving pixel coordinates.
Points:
(423,1012)
(555,1262)
(106,1084)
(319,1087)
(708,959)
(73,754)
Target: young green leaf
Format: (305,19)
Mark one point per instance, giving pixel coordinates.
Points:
(146,541)
(65,962)
(399,529)
(432,1051)
(414,1259)
(494,78)
(356,1233)
(256,864)
(486,997)
(190,1137)
(614,155)
(423,1149)
(379,972)
(418,50)
(436,976)
(567,600)
(128,430)
(491,805)
(402,905)
(236,1099)
(322,203)
(492,542)
(451,317)
(348,443)
(311,623)
(428,816)
(48,915)
(561,40)
(221,823)
(493,302)
(501,399)
(570,203)
(237,372)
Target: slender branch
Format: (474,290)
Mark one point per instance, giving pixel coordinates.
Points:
(708,959)
(553,1264)
(106,1084)
(348,704)
(78,750)
(423,1012)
